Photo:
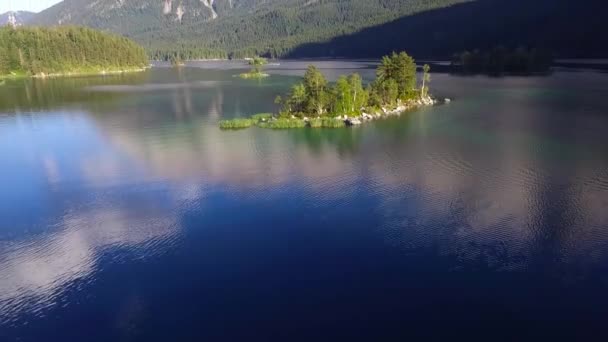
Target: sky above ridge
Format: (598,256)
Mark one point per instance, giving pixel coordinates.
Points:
(26,5)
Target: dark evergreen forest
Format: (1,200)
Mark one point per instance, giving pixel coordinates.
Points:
(65,49)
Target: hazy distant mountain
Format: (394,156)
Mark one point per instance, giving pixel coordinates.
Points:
(18,17)
(429,28)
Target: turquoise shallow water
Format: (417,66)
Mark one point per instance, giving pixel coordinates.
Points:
(126,214)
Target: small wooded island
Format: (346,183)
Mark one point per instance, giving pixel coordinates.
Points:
(256,71)
(315,103)
(62,51)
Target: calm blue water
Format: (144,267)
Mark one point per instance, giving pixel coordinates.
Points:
(127,215)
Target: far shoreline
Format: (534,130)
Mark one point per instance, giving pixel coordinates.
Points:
(73,74)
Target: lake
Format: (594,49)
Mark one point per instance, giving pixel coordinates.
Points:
(126,214)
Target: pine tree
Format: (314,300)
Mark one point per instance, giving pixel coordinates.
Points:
(315,85)
(342,96)
(358,94)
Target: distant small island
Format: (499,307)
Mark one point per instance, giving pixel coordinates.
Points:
(64,51)
(256,72)
(315,103)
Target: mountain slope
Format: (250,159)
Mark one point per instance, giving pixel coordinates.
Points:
(18,17)
(340,28)
(216,28)
(555,25)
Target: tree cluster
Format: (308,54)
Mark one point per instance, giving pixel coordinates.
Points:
(35,50)
(395,83)
(257,63)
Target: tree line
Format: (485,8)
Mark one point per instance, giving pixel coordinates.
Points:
(36,50)
(395,84)
(502,60)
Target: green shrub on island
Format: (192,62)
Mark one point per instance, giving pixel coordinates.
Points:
(238,123)
(315,123)
(332,123)
(261,117)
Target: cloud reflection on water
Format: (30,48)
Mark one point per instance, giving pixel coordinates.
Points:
(445,179)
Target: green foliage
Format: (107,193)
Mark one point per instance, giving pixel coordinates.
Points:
(261,117)
(395,83)
(326,122)
(238,123)
(315,103)
(283,123)
(332,123)
(315,122)
(342,101)
(359,95)
(500,60)
(256,72)
(253,75)
(400,69)
(385,92)
(257,63)
(296,100)
(34,50)
(348,96)
(315,85)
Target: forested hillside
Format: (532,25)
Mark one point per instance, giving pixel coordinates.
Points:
(36,51)
(231,28)
(340,28)
(562,27)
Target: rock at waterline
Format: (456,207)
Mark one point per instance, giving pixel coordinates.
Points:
(353,121)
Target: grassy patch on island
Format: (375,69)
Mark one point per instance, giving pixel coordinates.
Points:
(238,123)
(326,123)
(267,120)
(253,75)
(283,123)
